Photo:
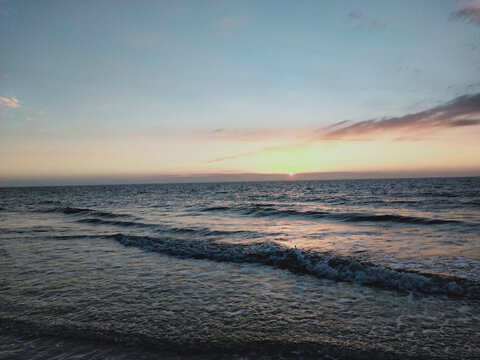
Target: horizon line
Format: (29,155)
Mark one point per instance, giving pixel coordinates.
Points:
(231,178)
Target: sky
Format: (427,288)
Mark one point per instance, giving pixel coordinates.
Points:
(132,91)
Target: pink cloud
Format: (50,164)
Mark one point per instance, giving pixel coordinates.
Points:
(470,12)
(11,102)
(462,111)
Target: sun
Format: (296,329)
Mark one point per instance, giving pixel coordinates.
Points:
(291,173)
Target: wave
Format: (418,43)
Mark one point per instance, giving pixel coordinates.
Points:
(215,208)
(164,229)
(110,222)
(472,202)
(106,218)
(261,210)
(268,210)
(439,194)
(392,218)
(322,265)
(84,211)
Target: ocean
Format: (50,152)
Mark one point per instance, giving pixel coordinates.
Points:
(345,269)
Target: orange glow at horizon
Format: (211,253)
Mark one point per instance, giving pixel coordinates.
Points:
(455,150)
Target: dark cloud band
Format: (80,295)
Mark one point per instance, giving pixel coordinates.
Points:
(462,111)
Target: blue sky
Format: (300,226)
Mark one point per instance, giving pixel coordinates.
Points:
(87,73)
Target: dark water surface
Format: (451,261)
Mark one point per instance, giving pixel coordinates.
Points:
(334,269)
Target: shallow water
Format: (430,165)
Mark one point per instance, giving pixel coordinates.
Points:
(346,269)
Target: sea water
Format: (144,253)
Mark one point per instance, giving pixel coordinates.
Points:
(298,269)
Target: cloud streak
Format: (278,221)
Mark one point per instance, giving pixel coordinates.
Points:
(462,111)
(256,152)
(470,12)
(354,14)
(11,102)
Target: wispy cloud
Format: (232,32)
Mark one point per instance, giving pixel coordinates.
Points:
(354,15)
(377,25)
(245,135)
(469,12)
(362,21)
(11,102)
(255,152)
(462,111)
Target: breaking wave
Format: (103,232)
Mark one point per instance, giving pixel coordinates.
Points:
(322,265)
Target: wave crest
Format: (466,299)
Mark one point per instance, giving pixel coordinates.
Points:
(322,265)
(84,211)
(261,210)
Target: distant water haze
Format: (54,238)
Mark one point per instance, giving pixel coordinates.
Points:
(227,177)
